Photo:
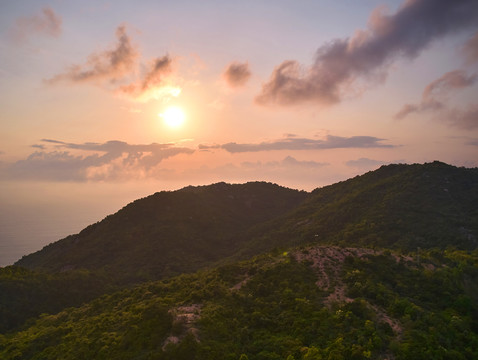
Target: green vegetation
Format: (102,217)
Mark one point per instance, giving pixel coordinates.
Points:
(381,266)
(26,294)
(272,308)
(168,233)
(397,206)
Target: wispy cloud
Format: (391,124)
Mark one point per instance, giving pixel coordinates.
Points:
(118,69)
(38,146)
(464,118)
(152,84)
(434,100)
(471,49)
(112,160)
(46,22)
(434,93)
(110,64)
(296,143)
(237,74)
(365,56)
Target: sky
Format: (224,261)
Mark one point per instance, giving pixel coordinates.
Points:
(104,102)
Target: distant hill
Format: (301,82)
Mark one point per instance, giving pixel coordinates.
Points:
(397,206)
(169,232)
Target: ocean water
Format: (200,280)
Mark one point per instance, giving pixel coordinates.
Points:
(24,230)
(33,215)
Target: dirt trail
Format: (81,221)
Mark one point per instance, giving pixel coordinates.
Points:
(328,261)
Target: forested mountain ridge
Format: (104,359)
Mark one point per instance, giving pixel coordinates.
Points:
(396,206)
(170,232)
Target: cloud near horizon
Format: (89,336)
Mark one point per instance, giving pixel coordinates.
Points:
(341,64)
(112,160)
(288,162)
(46,22)
(237,74)
(296,143)
(365,163)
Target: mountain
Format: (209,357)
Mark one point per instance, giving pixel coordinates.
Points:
(311,303)
(25,294)
(396,206)
(169,232)
(381,266)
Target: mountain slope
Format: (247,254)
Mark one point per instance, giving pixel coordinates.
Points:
(397,206)
(312,303)
(169,232)
(25,294)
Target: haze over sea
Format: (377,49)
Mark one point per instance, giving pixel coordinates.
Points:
(44,214)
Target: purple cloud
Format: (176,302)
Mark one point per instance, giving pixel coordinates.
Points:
(110,64)
(340,64)
(471,49)
(237,74)
(47,22)
(434,100)
(434,93)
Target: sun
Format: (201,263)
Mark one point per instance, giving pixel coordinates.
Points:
(173,117)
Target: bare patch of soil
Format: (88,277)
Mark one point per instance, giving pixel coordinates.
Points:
(186,316)
(328,262)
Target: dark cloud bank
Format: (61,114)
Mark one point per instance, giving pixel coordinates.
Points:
(365,56)
(294,143)
(55,160)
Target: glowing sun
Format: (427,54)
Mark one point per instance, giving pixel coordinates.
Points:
(173,116)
